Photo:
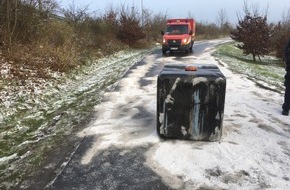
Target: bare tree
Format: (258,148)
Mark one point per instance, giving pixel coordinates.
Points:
(158,24)
(130,29)
(286,17)
(11,22)
(147,22)
(21,20)
(190,15)
(75,14)
(222,18)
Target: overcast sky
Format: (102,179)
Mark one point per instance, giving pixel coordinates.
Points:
(201,10)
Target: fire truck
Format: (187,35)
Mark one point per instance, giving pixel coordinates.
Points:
(178,36)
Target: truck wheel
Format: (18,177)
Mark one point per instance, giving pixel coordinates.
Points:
(190,49)
(163,52)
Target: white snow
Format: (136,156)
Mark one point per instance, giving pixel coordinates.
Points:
(7,158)
(29,101)
(254,152)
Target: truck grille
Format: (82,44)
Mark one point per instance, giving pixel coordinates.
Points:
(174,43)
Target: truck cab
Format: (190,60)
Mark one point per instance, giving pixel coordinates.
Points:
(178,36)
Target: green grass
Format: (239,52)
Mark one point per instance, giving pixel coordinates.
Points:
(34,125)
(270,70)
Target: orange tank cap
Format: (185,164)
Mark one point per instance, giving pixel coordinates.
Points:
(190,68)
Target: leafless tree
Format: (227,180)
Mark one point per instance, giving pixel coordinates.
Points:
(222,18)
(130,29)
(286,16)
(190,15)
(11,15)
(147,22)
(75,14)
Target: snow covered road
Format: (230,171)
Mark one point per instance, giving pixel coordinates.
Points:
(121,149)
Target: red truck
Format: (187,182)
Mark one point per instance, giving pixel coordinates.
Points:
(179,35)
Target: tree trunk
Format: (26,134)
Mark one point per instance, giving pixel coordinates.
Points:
(11,22)
(254,57)
(40,5)
(8,22)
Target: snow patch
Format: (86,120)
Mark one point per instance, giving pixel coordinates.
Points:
(251,153)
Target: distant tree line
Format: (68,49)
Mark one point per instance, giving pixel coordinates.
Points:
(41,33)
(33,30)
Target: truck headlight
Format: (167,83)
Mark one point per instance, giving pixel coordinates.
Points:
(164,41)
(184,40)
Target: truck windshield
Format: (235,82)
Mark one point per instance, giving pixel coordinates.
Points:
(176,29)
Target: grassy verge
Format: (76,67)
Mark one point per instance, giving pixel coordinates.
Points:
(39,122)
(269,73)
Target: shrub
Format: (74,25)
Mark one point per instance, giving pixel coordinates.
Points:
(129,29)
(254,34)
(281,36)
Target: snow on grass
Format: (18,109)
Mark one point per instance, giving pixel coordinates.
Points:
(254,150)
(33,109)
(268,73)
(7,158)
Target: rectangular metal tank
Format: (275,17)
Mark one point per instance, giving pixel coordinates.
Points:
(190,102)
